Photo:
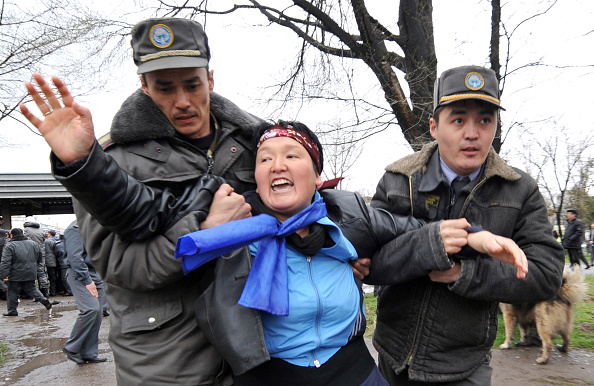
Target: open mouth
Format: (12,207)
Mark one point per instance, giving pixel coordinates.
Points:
(281,184)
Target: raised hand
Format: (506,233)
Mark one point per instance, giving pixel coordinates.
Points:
(67,129)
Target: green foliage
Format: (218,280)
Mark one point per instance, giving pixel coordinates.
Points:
(370,302)
(582,335)
(4,353)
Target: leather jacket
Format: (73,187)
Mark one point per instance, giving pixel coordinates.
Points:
(442,332)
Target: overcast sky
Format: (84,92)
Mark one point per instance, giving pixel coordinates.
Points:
(247,57)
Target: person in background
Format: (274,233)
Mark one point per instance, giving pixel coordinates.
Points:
(89,292)
(591,244)
(62,261)
(438,326)
(18,268)
(51,264)
(3,239)
(572,239)
(32,230)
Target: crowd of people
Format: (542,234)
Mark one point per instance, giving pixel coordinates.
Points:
(225,263)
(41,264)
(49,279)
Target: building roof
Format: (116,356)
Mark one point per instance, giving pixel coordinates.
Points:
(33,193)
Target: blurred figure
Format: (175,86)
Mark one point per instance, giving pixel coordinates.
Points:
(3,236)
(20,261)
(62,286)
(591,244)
(51,265)
(89,291)
(33,231)
(572,240)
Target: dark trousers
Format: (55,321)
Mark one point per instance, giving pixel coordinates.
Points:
(12,299)
(3,288)
(53,275)
(575,255)
(65,285)
(481,377)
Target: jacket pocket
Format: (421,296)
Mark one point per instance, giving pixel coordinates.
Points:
(152,317)
(466,321)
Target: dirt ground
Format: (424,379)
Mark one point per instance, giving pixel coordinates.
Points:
(36,340)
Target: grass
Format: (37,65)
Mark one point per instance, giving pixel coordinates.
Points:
(4,353)
(370,302)
(582,335)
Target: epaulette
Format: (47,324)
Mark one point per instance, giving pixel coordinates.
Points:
(106,141)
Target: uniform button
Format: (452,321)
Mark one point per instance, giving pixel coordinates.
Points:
(152,320)
(233,149)
(158,150)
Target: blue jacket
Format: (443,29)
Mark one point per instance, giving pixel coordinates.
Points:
(325,304)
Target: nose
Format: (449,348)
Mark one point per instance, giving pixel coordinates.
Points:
(471,131)
(278,165)
(182,101)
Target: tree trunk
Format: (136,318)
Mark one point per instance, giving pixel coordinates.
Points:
(494,58)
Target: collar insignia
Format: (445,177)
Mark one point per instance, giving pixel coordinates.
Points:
(432,200)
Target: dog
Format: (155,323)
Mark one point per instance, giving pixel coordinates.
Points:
(551,317)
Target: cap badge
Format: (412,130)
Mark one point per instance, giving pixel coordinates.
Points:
(474,81)
(161,36)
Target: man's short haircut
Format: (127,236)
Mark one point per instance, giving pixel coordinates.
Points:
(16,232)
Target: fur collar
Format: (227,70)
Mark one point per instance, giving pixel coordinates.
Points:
(140,119)
(495,165)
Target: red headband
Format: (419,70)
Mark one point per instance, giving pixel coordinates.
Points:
(302,138)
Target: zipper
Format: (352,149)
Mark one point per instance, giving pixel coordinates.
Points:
(319,310)
(466,201)
(419,324)
(213,145)
(471,194)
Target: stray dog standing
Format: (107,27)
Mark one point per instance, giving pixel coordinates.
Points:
(550,317)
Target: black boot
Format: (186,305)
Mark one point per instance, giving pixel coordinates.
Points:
(47,304)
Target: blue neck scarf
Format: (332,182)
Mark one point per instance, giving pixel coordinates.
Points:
(267,287)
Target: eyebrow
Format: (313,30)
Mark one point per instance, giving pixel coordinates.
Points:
(191,80)
(463,111)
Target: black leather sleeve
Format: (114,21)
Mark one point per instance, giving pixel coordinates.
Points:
(365,227)
(127,207)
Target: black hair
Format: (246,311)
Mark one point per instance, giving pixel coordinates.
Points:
(143,75)
(297,126)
